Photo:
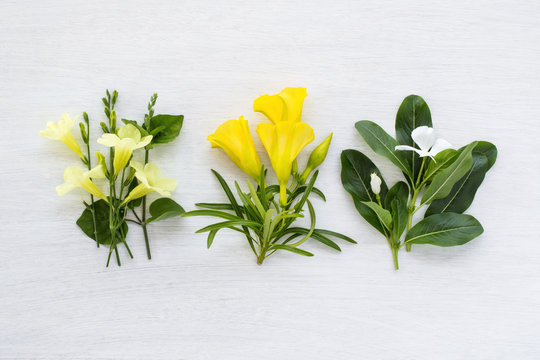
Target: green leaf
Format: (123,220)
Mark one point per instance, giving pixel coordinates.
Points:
(400,190)
(86,222)
(335,234)
(356,170)
(231,223)
(291,249)
(488,150)
(442,160)
(214,213)
(412,113)
(442,183)
(384,215)
(400,216)
(134,123)
(447,229)
(210,239)
(164,208)
(165,128)
(383,144)
(215,206)
(463,192)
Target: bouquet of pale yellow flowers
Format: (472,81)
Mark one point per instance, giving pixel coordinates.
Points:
(265,213)
(104,218)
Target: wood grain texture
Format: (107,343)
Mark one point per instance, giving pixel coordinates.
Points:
(477,64)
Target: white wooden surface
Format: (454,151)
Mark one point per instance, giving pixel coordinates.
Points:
(477,64)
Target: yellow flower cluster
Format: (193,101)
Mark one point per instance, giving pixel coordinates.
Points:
(283,139)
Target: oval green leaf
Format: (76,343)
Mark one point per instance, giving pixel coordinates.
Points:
(447,229)
(164,208)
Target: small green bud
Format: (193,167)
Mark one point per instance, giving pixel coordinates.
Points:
(114,97)
(104,127)
(294,167)
(130,176)
(316,158)
(85,116)
(113,120)
(84,135)
(101,161)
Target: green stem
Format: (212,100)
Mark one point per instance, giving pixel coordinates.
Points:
(91,196)
(412,210)
(395,257)
(143,221)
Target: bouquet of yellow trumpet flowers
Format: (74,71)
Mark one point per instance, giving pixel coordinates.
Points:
(265,213)
(129,181)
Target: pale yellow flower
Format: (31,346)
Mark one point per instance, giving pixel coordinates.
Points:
(150,179)
(75,177)
(233,136)
(127,140)
(61,130)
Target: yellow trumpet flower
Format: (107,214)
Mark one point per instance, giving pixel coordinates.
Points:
(285,106)
(234,138)
(74,177)
(61,130)
(283,142)
(127,140)
(150,179)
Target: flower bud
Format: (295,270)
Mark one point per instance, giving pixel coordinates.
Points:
(104,127)
(316,158)
(375,183)
(101,161)
(84,135)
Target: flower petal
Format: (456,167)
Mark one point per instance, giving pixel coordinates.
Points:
(108,140)
(440,145)
(129,131)
(271,106)
(294,102)
(64,188)
(424,137)
(95,173)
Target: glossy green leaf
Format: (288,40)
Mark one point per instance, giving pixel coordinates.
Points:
(356,170)
(164,208)
(447,229)
(383,144)
(214,213)
(400,190)
(335,234)
(442,160)
(442,183)
(463,192)
(165,128)
(384,215)
(210,239)
(488,150)
(400,216)
(412,113)
(86,223)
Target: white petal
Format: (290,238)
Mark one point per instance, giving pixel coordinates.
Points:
(64,188)
(424,137)
(95,173)
(108,140)
(144,141)
(405,147)
(439,146)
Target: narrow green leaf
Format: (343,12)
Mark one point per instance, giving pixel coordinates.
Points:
(399,218)
(335,234)
(291,249)
(210,239)
(215,213)
(446,229)
(442,160)
(442,183)
(227,224)
(215,206)
(383,144)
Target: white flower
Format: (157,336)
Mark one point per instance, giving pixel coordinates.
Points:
(127,140)
(74,177)
(375,184)
(150,179)
(61,130)
(424,137)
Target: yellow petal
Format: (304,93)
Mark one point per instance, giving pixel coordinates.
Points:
(108,140)
(122,154)
(92,188)
(294,102)
(70,142)
(64,188)
(234,138)
(283,142)
(129,131)
(137,192)
(96,173)
(271,106)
